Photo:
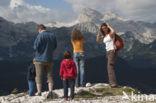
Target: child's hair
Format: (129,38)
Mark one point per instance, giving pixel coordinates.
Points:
(67,55)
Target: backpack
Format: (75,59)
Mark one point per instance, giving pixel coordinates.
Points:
(119,44)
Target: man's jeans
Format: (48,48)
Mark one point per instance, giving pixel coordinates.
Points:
(79,59)
(31,88)
(68,83)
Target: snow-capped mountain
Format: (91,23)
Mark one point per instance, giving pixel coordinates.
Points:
(90,20)
(59,24)
(90,15)
(16,40)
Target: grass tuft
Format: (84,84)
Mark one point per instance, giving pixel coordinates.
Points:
(85,94)
(14,91)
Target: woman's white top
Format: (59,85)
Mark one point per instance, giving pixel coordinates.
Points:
(109,42)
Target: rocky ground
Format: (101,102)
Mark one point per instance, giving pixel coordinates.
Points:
(92,93)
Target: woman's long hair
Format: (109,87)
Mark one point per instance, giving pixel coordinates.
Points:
(76,35)
(102,32)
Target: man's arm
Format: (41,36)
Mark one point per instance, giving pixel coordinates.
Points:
(37,42)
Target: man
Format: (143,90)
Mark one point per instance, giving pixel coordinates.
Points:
(44,46)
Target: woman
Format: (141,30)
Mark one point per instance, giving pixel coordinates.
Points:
(77,40)
(108,37)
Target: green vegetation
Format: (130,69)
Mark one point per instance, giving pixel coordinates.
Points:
(85,94)
(49,99)
(21,95)
(14,91)
(27,92)
(115,91)
(130,90)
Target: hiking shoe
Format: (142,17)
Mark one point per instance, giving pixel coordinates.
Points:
(50,95)
(39,94)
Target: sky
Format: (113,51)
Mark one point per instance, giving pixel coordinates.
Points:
(48,11)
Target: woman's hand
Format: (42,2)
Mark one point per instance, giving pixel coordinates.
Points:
(112,31)
(98,38)
(99,31)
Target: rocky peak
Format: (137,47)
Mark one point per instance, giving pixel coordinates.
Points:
(109,16)
(89,15)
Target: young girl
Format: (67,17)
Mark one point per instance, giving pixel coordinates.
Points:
(77,40)
(68,73)
(31,79)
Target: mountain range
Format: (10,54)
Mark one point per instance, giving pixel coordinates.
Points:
(16,40)
(134,62)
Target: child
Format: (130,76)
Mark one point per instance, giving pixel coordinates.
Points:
(68,73)
(31,79)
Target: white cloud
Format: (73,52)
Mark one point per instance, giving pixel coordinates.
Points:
(20,11)
(94,4)
(132,9)
(137,9)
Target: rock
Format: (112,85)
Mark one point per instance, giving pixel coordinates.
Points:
(97,93)
(88,84)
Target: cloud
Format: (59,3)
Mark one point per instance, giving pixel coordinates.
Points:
(94,4)
(132,9)
(20,11)
(137,9)
(4,2)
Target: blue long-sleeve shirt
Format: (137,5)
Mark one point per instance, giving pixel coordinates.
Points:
(44,46)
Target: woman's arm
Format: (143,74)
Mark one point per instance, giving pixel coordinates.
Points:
(112,31)
(98,38)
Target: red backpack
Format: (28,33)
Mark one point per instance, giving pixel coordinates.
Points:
(118,43)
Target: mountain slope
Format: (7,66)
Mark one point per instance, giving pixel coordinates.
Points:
(17,39)
(89,17)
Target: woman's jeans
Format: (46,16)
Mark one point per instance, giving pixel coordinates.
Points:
(69,83)
(79,61)
(31,88)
